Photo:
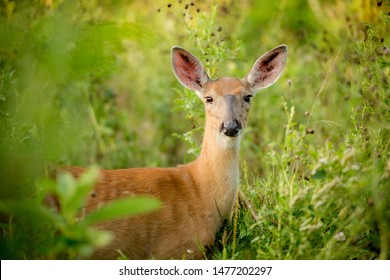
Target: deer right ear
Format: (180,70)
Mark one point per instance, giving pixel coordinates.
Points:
(188,70)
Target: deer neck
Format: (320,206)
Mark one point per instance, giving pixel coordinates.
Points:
(218,171)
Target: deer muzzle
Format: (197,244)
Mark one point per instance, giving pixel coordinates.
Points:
(231,128)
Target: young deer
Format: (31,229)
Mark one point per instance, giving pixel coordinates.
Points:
(198,196)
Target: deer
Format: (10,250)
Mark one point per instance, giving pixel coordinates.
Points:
(196,197)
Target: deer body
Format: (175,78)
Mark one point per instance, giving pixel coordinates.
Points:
(198,196)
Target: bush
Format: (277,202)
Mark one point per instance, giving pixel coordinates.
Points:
(88,83)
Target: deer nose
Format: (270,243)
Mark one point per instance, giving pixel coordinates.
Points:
(231,128)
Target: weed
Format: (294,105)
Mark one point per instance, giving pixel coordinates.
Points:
(86,83)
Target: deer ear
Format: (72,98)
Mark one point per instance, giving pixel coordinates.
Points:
(188,69)
(267,69)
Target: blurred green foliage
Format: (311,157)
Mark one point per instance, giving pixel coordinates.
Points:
(65,234)
(90,82)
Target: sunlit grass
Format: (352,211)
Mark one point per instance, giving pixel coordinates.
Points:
(86,83)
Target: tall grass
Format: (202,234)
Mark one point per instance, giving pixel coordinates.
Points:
(87,83)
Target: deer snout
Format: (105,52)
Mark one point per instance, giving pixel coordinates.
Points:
(231,128)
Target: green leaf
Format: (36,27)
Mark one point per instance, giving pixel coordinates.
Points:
(73,193)
(99,238)
(31,210)
(122,208)
(319,174)
(44,187)
(84,186)
(66,187)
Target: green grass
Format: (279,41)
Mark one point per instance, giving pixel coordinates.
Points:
(86,84)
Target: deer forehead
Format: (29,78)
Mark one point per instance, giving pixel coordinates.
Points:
(227,86)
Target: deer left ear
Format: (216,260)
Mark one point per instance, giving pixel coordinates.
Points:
(267,69)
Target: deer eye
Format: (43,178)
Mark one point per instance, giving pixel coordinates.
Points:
(209,99)
(247,98)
